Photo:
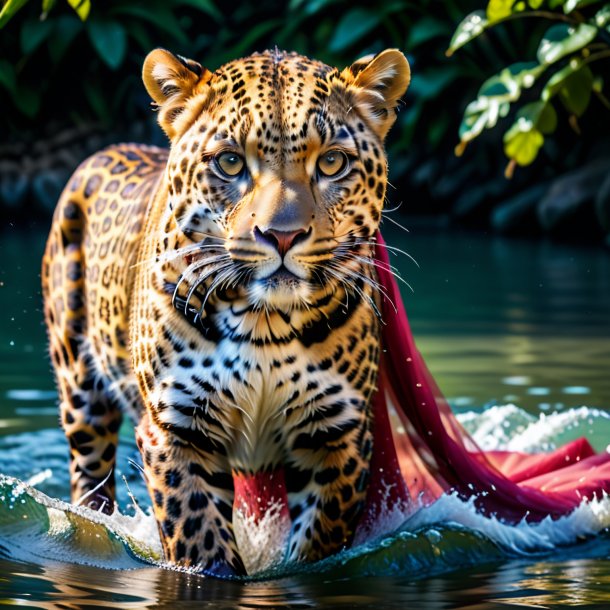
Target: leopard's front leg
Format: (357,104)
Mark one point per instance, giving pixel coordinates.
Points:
(327,484)
(192,493)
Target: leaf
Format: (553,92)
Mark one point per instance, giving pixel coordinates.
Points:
(8,78)
(541,115)
(562,39)
(47,5)
(575,95)
(204,6)
(66,28)
(139,33)
(33,34)
(82,8)
(254,34)
(523,73)
(574,85)
(499,9)
(426,29)
(353,27)
(9,9)
(494,98)
(109,40)
(525,137)
(602,17)
(572,5)
(471,27)
(522,146)
(161,17)
(28,101)
(427,84)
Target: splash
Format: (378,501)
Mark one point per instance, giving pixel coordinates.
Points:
(414,541)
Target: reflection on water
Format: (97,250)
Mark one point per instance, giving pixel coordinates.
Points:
(501,320)
(578,581)
(497,321)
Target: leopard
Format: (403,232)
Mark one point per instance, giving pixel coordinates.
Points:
(222,294)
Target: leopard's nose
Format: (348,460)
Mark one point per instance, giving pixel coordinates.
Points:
(282,241)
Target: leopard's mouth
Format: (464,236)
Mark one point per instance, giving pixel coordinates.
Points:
(281,277)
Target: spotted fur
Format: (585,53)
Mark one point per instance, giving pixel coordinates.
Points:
(234,318)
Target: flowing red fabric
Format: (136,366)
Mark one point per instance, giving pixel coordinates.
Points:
(421,451)
(426,452)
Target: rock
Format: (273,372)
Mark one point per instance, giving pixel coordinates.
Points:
(572,195)
(47,187)
(14,184)
(518,213)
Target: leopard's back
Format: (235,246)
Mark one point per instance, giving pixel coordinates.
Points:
(87,273)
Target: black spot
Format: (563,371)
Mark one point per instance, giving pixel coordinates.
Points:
(191,526)
(173,478)
(350,467)
(346,493)
(167,527)
(174,509)
(325,364)
(222,480)
(198,500)
(297,479)
(80,437)
(332,509)
(328,475)
(180,551)
(208,541)
(194,555)
(109,452)
(158,498)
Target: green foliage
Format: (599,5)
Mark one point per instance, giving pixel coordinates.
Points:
(562,71)
(90,53)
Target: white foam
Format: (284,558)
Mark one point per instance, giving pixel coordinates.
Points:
(507,427)
(588,519)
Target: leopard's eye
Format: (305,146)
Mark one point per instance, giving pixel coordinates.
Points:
(332,163)
(230,164)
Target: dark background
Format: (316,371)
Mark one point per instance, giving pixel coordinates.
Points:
(69,87)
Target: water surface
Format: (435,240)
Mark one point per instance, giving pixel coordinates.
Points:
(498,321)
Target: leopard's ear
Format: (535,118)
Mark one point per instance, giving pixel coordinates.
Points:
(378,82)
(171,80)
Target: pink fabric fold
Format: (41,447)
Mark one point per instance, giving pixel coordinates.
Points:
(426,452)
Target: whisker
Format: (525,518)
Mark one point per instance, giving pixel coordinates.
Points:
(395,223)
(394,209)
(352,287)
(391,270)
(189,271)
(198,283)
(213,286)
(372,283)
(392,249)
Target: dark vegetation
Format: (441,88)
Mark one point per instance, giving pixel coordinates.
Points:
(70,83)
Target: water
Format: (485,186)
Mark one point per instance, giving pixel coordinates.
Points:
(500,322)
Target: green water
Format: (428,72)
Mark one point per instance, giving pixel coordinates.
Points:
(497,320)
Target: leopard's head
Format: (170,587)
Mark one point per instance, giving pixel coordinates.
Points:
(277,172)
